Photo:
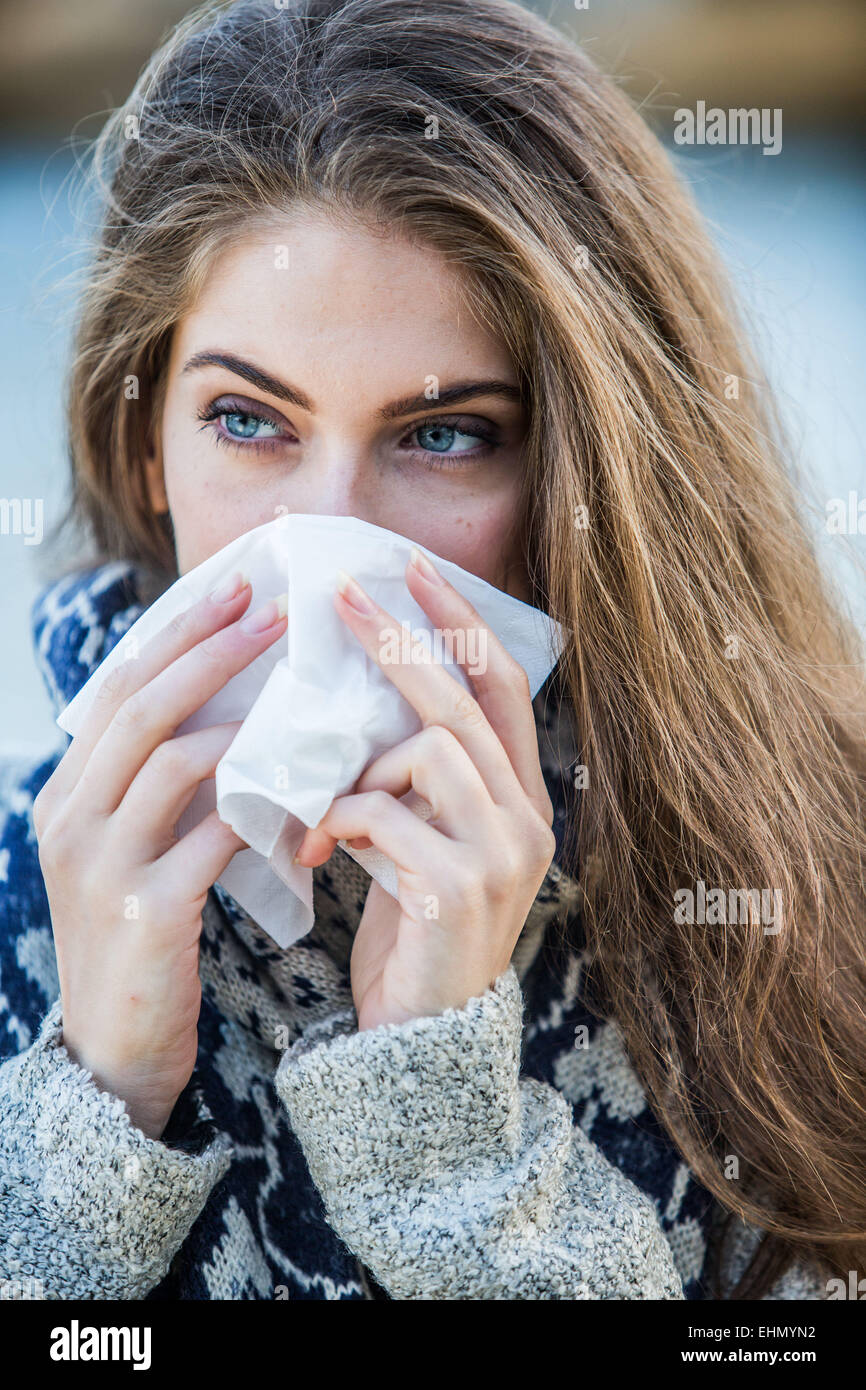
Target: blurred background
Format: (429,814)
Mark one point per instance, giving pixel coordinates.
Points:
(790,227)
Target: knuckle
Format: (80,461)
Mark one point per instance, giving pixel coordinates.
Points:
(379,802)
(438,742)
(116,685)
(181,626)
(542,840)
(503,872)
(467,709)
(132,713)
(213,649)
(41,810)
(171,760)
(58,847)
(467,879)
(516,676)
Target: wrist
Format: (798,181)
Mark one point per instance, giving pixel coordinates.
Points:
(148,1112)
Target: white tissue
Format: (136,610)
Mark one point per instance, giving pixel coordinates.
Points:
(315,708)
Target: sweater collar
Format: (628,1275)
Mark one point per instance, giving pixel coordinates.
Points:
(77,620)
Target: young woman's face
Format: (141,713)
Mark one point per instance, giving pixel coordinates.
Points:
(305,380)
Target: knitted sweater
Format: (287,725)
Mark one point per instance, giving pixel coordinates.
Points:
(501,1150)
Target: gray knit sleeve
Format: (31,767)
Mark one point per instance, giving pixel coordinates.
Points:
(90,1207)
(450,1176)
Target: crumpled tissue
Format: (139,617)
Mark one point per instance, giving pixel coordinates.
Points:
(316,710)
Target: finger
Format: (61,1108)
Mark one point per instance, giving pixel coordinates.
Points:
(185,631)
(167,783)
(439,769)
(500,683)
(315,848)
(435,695)
(195,862)
(152,714)
(391,827)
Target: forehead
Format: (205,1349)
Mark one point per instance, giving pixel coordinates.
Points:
(306,283)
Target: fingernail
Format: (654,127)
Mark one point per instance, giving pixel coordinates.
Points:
(267,616)
(230,588)
(354,594)
(423,566)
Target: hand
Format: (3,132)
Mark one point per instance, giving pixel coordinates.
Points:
(468,876)
(126,895)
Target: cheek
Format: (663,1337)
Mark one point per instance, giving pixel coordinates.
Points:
(202,521)
(475,537)
(211,504)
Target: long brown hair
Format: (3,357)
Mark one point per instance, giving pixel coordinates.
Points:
(714,681)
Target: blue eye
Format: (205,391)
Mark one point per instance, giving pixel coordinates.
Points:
(243,426)
(437,437)
(242,429)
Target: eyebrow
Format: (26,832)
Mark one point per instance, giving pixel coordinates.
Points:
(406,405)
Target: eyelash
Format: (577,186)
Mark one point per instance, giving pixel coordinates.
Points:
(211,414)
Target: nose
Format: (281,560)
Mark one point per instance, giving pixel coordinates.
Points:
(342,481)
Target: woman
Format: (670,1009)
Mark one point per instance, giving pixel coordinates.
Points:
(430,269)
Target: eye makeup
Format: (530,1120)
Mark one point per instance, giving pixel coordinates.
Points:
(236,408)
